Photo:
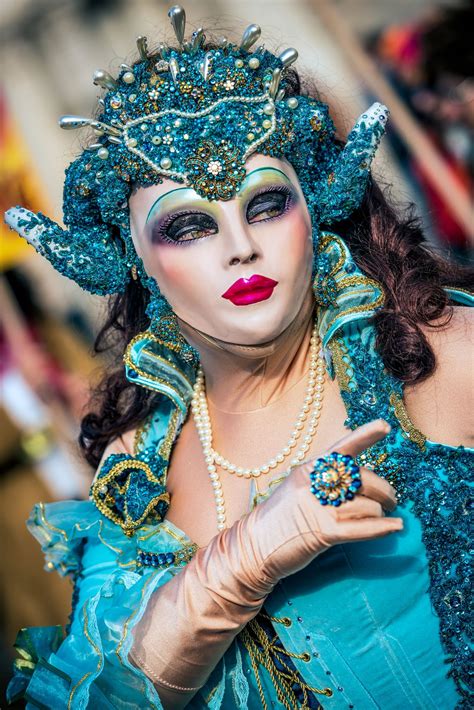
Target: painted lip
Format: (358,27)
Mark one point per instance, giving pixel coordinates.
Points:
(245,291)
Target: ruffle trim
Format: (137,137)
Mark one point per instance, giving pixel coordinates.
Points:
(90,668)
(62,527)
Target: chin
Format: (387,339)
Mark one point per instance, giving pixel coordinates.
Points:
(255,324)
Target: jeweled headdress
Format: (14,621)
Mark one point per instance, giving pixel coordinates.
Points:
(193,114)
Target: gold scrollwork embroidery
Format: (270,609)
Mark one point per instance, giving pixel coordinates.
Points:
(340,357)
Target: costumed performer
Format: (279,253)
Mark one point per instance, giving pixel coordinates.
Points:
(279,515)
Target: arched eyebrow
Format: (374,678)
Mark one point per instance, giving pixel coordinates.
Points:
(247,183)
(166,194)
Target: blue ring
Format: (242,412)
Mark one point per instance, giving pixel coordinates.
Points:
(335,479)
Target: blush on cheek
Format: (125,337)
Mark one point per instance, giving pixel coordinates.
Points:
(173,272)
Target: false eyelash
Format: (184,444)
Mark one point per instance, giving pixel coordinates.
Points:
(159,233)
(290,199)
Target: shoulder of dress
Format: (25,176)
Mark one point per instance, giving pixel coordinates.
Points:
(129,489)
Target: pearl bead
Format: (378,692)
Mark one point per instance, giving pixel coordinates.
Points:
(166,163)
(266,124)
(268,109)
(204,427)
(239,63)
(131,143)
(128,77)
(292,102)
(103,153)
(254,63)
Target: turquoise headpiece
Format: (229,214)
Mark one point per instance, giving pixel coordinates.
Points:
(193,114)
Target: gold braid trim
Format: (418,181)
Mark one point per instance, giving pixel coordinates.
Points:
(263,652)
(406,424)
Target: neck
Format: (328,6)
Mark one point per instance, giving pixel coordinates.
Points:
(245,378)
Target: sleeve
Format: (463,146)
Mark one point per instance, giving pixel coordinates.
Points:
(89,667)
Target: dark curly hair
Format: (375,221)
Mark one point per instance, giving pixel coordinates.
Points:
(388,245)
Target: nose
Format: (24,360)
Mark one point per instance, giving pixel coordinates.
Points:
(241,247)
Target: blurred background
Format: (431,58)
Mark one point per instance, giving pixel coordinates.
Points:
(416,56)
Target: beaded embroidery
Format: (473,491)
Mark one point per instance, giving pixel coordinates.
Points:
(130,490)
(438,483)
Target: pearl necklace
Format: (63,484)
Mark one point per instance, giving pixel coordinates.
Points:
(313,401)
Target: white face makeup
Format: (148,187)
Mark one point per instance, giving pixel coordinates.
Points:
(237,270)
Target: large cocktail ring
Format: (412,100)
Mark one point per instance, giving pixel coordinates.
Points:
(335,478)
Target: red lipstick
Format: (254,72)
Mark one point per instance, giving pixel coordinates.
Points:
(245,291)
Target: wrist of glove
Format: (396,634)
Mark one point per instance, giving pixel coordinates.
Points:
(192,620)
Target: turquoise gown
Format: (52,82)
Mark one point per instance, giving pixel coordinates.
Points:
(379,624)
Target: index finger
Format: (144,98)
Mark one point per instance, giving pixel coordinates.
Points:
(361,438)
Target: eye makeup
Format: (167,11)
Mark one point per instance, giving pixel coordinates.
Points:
(181,216)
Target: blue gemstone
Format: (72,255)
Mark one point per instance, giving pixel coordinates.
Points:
(170,558)
(131,374)
(162,558)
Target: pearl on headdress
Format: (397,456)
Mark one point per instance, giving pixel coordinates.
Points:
(267,123)
(239,63)
(166,163)
(268,109)
(254,63)
(131,143)
(103,153)
(292,102)
(128,77)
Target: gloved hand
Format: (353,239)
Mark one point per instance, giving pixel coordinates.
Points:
(192,620)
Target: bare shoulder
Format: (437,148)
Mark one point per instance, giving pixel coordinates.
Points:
(442,406)
(124,444)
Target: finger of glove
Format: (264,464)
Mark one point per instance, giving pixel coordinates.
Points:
(361,438)
(27,224)
(377,489)
(358,508)
(368,529)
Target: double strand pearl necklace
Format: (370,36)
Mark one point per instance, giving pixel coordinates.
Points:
(313,401)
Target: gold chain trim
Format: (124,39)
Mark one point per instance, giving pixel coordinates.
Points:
(153,378)
(167,443)
(140,434)
(407,425)
(126,523)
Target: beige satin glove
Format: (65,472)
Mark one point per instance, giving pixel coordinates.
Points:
(192,620)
